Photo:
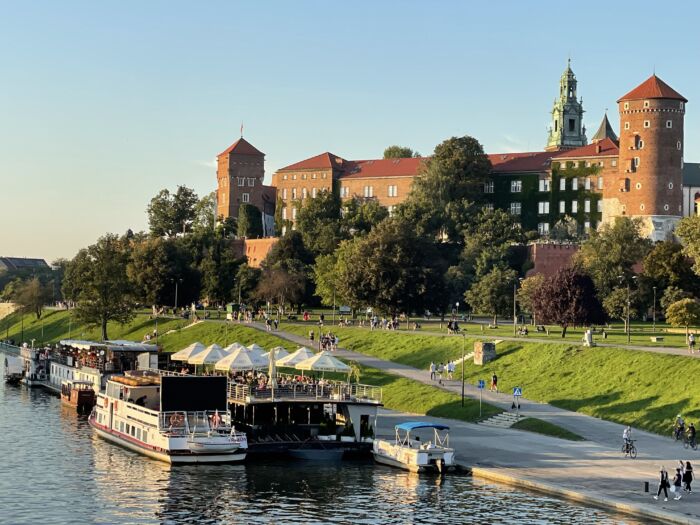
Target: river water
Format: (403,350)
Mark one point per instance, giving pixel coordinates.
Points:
(53,470)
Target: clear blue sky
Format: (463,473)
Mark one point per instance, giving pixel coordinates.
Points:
(102,104)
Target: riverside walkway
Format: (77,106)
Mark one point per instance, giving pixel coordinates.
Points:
(592,471)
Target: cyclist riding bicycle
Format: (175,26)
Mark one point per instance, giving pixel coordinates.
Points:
(691,434)
(679,426)
(627,437)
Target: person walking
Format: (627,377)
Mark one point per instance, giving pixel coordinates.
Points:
(494,383)
(691,343)
(663,484)
(688,477)
(432,371)
(450,369)
(627,438)
(677,481)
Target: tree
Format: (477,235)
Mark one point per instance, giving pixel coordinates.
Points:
(688,231)
(280,286)
(667,265)
(611,252)
(319,222)
(245,282)
(528,289)
(96,279)
(170,214)
(488,241)
(361,215)
(673,294)
(391,268)
(685,312)
(399,152)
(566,299)
(290,255)
(31,295)
(442,199)
(218,269)
(228,226)
(249,222)
(493,293)
(204,219)
(616,305)
(148,271)
(324,277)
(565,229)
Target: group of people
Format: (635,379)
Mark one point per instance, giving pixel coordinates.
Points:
(680,431)
(327,341)
(453,327)
(437,371)
(682,479)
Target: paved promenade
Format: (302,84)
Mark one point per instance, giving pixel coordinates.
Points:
(592,471)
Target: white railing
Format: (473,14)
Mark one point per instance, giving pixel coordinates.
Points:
(301,391)
(10,349)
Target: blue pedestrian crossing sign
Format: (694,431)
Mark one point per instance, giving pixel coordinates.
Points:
(482,384)
(517,391)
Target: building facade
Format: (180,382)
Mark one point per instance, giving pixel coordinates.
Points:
(638,174)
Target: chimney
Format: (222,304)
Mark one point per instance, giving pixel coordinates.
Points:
(597,147)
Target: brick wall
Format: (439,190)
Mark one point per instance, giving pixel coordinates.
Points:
(377,188)
(547,259)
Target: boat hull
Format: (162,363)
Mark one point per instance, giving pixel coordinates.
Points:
(318,454)
(173,457)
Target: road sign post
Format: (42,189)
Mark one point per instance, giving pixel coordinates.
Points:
(481,386)
(517,393)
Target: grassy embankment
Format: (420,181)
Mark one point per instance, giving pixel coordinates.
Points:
(531,424)
(398,393)
(644,389)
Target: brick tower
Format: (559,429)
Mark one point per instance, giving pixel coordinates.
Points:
(240,172)
(651,158)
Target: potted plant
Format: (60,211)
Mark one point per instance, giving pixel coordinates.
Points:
(368,435)
(348,433)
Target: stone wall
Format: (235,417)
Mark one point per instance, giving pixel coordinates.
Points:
(547,259)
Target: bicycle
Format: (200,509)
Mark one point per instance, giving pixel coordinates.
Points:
(687,442)
(628,449)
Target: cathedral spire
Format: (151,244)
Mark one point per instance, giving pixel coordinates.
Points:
(567,130)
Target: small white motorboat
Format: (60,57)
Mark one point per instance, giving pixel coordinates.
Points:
(409,452)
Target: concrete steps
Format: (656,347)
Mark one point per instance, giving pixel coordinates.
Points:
(502,420)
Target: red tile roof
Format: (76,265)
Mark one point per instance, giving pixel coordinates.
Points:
(383,168)
(603,148)
(241,147)
(653,87)
(516,162)
(323,161)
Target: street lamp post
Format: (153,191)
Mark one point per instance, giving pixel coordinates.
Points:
(629,303)
(334,305)
(653,312)
(177,281)
(464,342)
(515,312)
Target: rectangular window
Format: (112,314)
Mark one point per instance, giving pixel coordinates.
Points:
(516,208)
(304,193)
(600,183)
(543,228)
(587,183)
(390,209)
(488,187)
(241,181)
(392,191)
(251,181)
(313,193)
(543,207)
(284,194)
(284,213)
(669,123)
(572,125)
(599,206)
(313,176)
(574,184)
(516,186)
(344,191)
(245,197)
(369,191)
(562,184)
(294,193)
(627,125)
(587,206)
(544,185)
(294,177)
(284,177)
(574,206)
(587,225)
(647,124)
(635,162)
(613,163)
(294,214)
(487,207)
(562,206)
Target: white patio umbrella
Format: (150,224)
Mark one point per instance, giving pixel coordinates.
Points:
(233,346)
(240,360)
(186,353)
(278,352)
(295,358)
(209,356)
(257,350)
(323,362)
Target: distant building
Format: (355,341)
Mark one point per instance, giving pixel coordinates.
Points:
(21,263)
(640,174)
(240,173)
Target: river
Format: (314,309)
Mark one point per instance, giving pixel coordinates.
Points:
(55,471)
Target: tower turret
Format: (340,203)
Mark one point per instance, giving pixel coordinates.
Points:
(567,130)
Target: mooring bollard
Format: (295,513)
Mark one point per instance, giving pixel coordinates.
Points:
(646,486)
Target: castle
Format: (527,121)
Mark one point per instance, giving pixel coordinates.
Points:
(641,173)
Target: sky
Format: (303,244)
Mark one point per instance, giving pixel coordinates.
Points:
(103,104)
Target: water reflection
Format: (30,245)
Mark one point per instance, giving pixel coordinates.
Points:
(56,471)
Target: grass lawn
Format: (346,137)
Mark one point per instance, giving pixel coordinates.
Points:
(532,424)
(642,389)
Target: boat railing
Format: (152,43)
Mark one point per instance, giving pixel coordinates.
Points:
(10,349)
(319,391)
(195,422)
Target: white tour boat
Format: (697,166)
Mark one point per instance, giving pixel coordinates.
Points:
(409,452)
(177,419)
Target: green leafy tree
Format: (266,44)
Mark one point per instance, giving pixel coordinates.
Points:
(291,256)
(685,312)
(673,294)
(228,226)
(278,286)
(32,295)
(148,270)
(526,292)
(319,222)
(281,224)
(325,277)
(492,294)
(616,305)
(611,252)
(667,265)
(218,269)
(97,280)
(688,231)
(249,222)
(442,199)
(565,229)
(567,298)
(170,214)
(204,220)
(399,152)
(391,268)
(361,215)
(246,281)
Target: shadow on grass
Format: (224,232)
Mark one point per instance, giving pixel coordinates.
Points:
(586,402)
